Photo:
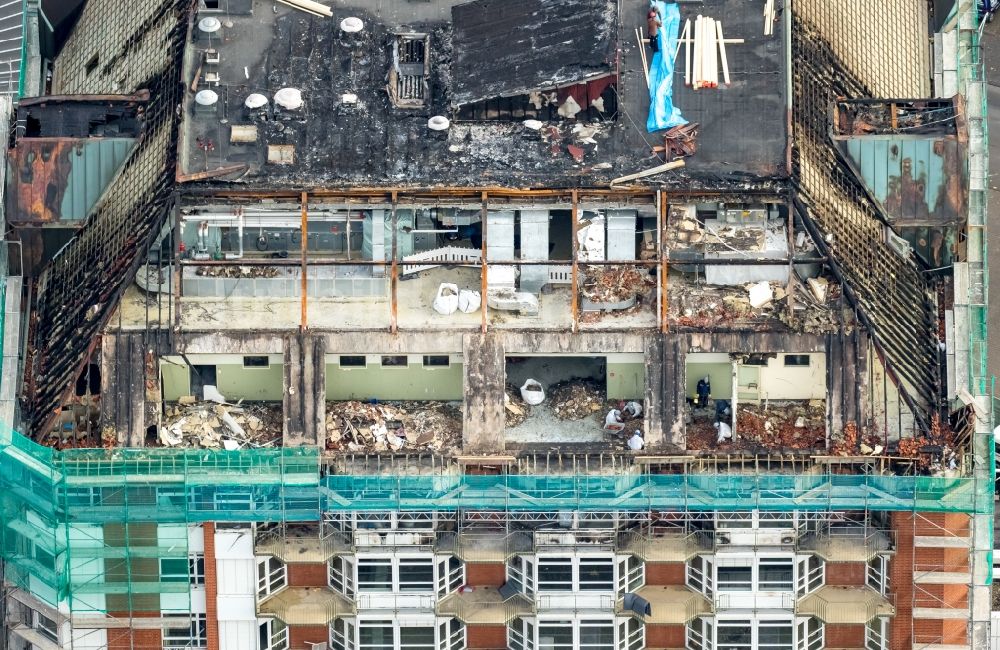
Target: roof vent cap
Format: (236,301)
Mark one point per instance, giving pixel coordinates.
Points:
(534,125)
(210,24)
(351,24)
(206,97)
(290,98)
(438,123)
(255,100)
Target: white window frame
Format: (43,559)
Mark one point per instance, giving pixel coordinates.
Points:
(196,637)
(630,574)
(449,574)
(276,633)
(341,576)
(273,578)
(699,574)
(41,624)
(447,633)
(627,633)
(704,633)
(877,574)
(525,570)
(877,634)
(347,637)
(810,634)
(808,576)
(445,576)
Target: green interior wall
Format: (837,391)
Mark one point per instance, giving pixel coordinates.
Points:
(412,382)
(720,374)
(233,380)
(626,381)
(176,381)
(237,382)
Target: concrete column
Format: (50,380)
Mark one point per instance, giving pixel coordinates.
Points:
(304,399)
(665,377)
(484,377)
(653,422)
(123,387)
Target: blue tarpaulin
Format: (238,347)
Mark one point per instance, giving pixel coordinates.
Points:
(662,112)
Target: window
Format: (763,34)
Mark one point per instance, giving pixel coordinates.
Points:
(272,634)
(91,65)
(436,361)
(416,638)
(775,574)
(183,570)
(877,634)
(774,636)
(631,634)
(555,574)
(555,635)
(878,574)
(451,634)
(193,636)
(734,578)
(416,574)
(796,359)
(810,634)
(376,635)
(256,362)
(375,574)
(271,575)
(45,626)
(353,362)
(734,635)
(597,635)
(597,574)
(811,574)
(394,361)
(342,634)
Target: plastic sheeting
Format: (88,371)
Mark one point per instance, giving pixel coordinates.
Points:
(662,112)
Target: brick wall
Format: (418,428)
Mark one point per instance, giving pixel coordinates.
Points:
(486,637)
(845,636)
(129,639)
(485,574)
(905,630)
(300,636)
(311,574)
(664,636)
(664,573)
(211,587)
(845,574)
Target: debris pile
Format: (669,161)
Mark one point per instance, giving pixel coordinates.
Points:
(516,409)
(210,425)
(778,425)
(577,399)
(614,284)
(238,271)
(396,426)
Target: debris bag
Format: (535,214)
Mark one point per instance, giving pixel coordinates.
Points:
(532,392)
(662,112)
(469,301)
(446,300)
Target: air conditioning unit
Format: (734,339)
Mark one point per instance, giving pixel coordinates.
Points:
(722,538)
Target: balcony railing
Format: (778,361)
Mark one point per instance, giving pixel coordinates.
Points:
(394,602)
(845,605)
(668,605)
(755,600)
(484,606)
(575,602)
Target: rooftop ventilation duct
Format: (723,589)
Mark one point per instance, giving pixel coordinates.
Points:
(289,98)
(255,100)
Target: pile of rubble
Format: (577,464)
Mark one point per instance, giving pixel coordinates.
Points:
(213,425)
(576,399)
(397,426)
(238,271)
(778,425)
(615,284)
(516,410)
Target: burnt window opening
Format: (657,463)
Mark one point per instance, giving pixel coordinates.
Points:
(91,65)
(394,361)
(544,106)
(797,360)
(758,359)
(256,362)
(212,4)
(408,87)
(89,382)
(436,361)
(353,362)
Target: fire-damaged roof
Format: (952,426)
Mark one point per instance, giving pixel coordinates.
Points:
(351,130)
(512,47)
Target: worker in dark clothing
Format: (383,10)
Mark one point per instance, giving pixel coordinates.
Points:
(653,25)
(704,390)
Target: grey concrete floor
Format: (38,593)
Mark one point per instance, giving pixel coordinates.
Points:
(991,54)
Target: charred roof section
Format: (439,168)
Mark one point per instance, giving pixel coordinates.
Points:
(504,48)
